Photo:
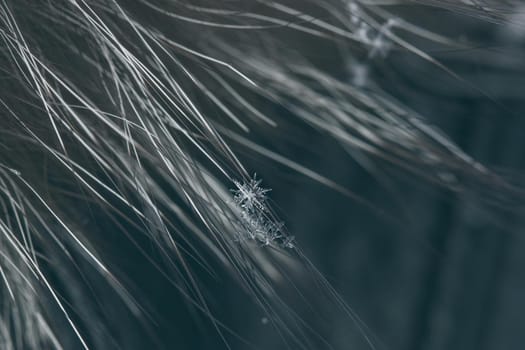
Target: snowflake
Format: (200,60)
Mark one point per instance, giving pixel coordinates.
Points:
(256,222)
(250,196)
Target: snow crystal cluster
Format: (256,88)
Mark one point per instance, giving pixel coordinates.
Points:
(256,222)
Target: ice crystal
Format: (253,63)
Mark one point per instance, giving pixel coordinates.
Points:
(256,221)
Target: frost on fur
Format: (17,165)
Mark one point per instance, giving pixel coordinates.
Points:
(257,222)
